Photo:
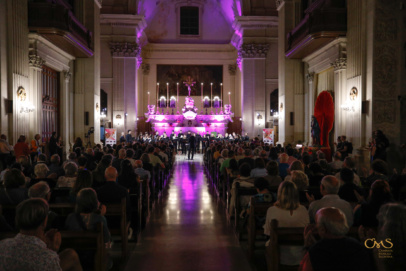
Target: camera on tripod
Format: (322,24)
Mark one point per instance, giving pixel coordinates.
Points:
(89,132)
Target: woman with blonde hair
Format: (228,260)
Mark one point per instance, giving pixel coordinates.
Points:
(289,213)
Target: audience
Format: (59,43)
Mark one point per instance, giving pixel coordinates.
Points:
(14,190)
(71,170)
(259,170)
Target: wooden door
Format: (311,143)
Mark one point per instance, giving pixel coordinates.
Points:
(50,102)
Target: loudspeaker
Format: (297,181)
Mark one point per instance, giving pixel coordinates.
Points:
(292,118)
(86,118)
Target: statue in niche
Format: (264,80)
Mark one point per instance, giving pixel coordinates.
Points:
(315,131)
(189,105)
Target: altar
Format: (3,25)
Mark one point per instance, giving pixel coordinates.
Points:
(211,118)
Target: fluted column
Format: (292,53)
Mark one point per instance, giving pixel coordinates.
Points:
(252,62)
(126,61)
(309,107)
(65,111)
(35,76)
(340,94)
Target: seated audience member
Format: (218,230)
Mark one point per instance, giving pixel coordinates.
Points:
(153,159)
(329,188)
(83,180)
(289,213)
(245,181)
(146,162)
(117,161)
(112,192)
(14,190)
(290,152)
(365,213)
(347,188)
(247,159)
(54,167)
(306,159)
(144,174)
(264,155)
(337,163)
(41,190)
(273,178)
(379,170)
(72,158)
(392,224)
(302,183)
(127,177)
(325,167)
(283,165)
(88,212)
(398,185)
(71,170)
(226,163)
(82,163)
(91,159)
(334,251)
(349,162)
(21,148)
(98,173)
(316,174)
(233,170)
(41,174)
(240,154)
(296,165)
(129,155)
(259,170)
(32,248)
(223,156)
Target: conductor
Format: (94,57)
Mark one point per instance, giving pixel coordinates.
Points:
(192,146)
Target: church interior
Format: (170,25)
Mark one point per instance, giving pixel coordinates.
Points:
(325,77)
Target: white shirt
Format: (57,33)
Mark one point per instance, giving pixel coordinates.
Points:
(332,201)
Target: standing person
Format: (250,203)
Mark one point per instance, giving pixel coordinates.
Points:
(21,148)
(59,145)
(192,146)
(53,147)
(122,138)
(78,144)
(128,137)
(36,144)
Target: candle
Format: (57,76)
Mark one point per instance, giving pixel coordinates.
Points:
(157,95)
(202,94)
(148,97)
(167,94)
(221,96)
(211,95)
(229,98)
(177,96)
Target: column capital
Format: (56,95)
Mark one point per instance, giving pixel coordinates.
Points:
(36,61)
(252,50)
(339,64)
(67,75)
(310,77)
(125,49)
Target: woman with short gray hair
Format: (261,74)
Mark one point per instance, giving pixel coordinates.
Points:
(71,170)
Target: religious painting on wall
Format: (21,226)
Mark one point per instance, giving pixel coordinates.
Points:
(173,74)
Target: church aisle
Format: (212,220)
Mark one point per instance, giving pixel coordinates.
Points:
(186,232)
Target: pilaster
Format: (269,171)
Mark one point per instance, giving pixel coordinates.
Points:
(35,76)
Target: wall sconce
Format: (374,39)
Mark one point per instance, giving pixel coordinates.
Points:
(118,120)
(97,107)
(259,117)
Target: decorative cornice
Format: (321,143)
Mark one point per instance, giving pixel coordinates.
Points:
(232,68)
(124,49)
(339,64)
(145,68)
(36,61)
(310,77)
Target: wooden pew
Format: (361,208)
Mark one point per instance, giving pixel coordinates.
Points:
(241,191)
(117,213)
(81,241)
(278,237)
(136,208)
(257,209)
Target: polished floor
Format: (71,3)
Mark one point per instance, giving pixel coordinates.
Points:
(187,230)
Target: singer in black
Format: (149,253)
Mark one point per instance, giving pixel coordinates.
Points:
(192,146)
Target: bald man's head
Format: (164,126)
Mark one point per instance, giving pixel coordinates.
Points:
(331,223)
(111,174)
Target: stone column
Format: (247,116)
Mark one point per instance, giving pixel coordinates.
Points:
(340,95)
(252,61)
(126,57)
(35,76)
(309,108)
(65,110)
